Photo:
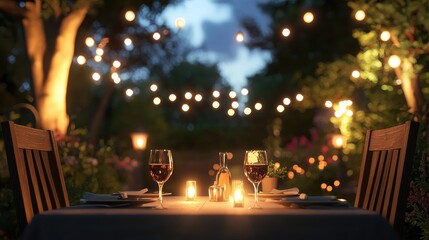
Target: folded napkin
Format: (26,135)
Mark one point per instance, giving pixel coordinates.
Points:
(289,191)
(138,193)
(88,196)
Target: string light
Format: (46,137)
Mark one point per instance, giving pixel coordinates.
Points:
(258,106)
(96,76)
(185,107)
(99,51)
(188,95)
(116,64)
(280,108)
(129,92)
(156,36)
(180,22)
(244,91)
(385,36)
(286,101)
(286,32)
(239,37)
(247,111)
(235,105)
(394,61)
(308,17)
(81,60)
(89,41)
(299,97)
(128,41)
(215,104)
(130,16)
(98,58)
(198,97)
(328,104)
(157,101)
(216,94)
(231,112)
(172,97)
(360,15)
(355,74)
(232,94)
(153,87)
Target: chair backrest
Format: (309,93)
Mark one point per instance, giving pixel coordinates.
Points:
(35,171)
(386,171)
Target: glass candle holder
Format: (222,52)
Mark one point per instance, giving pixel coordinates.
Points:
(237,193)
(191,190)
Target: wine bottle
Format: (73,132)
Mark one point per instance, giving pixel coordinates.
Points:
(223,176)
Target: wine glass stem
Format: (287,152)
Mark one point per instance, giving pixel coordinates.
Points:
(255,187)
(160,185)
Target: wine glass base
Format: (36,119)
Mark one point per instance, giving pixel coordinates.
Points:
(255,206)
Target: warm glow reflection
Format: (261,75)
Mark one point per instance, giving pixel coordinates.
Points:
(394,61)
(180,22)
(130,16)
(360,15)
(308,17)
(258,106)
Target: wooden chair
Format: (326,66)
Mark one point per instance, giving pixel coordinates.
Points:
(35,171)
(386,170)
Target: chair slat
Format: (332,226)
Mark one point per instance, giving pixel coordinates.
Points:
(35,171)
(386,171)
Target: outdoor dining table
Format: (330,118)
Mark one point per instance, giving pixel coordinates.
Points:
(203,219)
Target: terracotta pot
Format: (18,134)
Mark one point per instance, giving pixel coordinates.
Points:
(268,183)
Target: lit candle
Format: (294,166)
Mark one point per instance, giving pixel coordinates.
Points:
(238,196)
(191,190)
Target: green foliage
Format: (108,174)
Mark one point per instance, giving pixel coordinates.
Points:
(276,171)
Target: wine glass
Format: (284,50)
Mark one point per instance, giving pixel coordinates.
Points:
(161,168)
(255,169)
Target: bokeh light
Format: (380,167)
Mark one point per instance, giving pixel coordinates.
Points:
(172,97)
(89,41)
(258,106)
(360,15)
(385,36)
(156,36)
(308,17)
(81,60)
(130,16)
(394,61)
(180,22)
(239,37)
(355,74)
(286,32)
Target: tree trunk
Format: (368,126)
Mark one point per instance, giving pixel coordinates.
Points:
(49,78)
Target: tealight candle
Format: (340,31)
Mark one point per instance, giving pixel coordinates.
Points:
(238,193)
(191,190)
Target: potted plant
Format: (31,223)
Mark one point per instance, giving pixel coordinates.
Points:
(275,171)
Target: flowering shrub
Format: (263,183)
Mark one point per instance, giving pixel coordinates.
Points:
(91,169)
